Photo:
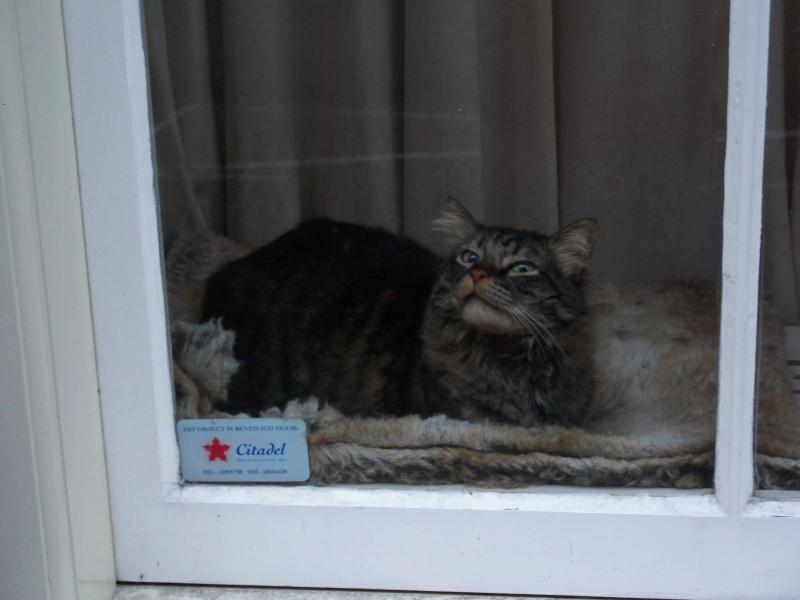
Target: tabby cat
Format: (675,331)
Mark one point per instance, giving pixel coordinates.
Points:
(375,324)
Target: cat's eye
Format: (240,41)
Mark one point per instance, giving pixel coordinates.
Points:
(523,268)
(468,257)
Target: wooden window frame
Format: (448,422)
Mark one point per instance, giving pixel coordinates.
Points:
(546,540)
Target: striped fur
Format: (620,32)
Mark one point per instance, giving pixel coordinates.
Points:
(375,324)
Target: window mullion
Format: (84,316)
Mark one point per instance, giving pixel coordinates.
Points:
(742,221)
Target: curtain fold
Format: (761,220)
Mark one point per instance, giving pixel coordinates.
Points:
(642,92)
(186,129)
(313,104)
(781,245)
(532,112)
(478,113)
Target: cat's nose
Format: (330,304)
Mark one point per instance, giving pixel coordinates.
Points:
(477,274)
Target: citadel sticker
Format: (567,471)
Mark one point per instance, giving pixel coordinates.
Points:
(243,450)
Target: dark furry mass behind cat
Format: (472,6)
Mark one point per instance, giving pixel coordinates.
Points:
(373,323)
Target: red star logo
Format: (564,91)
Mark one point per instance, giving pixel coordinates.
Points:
(216,450)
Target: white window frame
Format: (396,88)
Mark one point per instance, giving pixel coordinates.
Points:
(545,540)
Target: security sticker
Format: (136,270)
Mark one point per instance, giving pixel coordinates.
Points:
(243,450)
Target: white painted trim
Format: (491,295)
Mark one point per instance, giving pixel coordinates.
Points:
(551,499)
(158,592)
(52,408)
(741,251)
(774,503)
(120,215)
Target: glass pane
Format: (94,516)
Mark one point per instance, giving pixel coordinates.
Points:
(778,448)
(556,321)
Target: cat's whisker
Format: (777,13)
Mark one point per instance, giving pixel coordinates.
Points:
(541,331)
(527,321)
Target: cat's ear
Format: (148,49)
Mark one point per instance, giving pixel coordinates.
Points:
(572,247)
(455,222)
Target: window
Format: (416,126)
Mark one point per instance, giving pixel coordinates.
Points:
(779,368)
(534,118)
(550,540)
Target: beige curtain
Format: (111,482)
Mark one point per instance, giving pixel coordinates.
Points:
(781,254)
(532,112)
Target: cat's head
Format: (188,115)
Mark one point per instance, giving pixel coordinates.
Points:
(511,281)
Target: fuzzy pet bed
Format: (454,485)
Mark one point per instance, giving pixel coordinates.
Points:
(651,423)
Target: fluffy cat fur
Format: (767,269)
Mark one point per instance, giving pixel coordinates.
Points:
(375,324)
(650,423)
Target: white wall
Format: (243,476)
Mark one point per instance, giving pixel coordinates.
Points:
(55,535)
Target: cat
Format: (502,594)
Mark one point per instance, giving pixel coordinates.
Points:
(376,324)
